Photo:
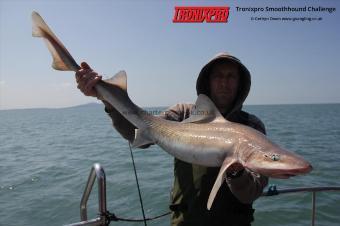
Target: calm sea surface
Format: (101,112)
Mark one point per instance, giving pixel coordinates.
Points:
(46,156)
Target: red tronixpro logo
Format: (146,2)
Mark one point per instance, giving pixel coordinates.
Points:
(199,14)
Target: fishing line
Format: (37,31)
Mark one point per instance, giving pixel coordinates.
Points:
(139,193)
(113,217)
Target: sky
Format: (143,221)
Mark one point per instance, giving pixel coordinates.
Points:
(291,62)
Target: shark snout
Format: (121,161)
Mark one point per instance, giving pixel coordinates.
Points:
(305,169)
(288,172)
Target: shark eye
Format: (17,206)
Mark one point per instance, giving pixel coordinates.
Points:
(275,157)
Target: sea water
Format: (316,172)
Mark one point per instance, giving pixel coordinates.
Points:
(46,156)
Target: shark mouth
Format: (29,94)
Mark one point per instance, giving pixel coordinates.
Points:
(295,172)
(283,176)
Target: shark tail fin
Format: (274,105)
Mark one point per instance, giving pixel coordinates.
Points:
(62,59)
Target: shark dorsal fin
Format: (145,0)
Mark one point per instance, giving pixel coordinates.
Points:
(119,79)
(204,111)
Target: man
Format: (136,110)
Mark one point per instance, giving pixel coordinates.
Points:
(227,82)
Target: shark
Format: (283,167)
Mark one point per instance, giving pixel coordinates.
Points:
(205,138)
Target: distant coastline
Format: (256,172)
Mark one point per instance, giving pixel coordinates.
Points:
(93,104)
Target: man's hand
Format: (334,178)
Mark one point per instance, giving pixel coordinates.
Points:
(87,79)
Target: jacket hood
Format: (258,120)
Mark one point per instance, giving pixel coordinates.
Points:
(202,84)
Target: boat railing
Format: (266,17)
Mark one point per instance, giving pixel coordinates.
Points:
(97,172)
(273,191)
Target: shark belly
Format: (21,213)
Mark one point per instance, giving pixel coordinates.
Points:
(206,150)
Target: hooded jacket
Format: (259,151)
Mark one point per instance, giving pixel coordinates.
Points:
(193,183)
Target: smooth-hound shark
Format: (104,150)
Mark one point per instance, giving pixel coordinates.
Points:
(206,138)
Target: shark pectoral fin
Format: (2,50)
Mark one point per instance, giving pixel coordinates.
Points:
(204,111)
(141,139)
(219,180)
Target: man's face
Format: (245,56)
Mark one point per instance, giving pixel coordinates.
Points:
(224,82)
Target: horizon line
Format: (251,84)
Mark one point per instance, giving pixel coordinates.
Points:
(95,103)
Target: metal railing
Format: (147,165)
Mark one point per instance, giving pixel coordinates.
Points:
(98,172)
(272,191)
